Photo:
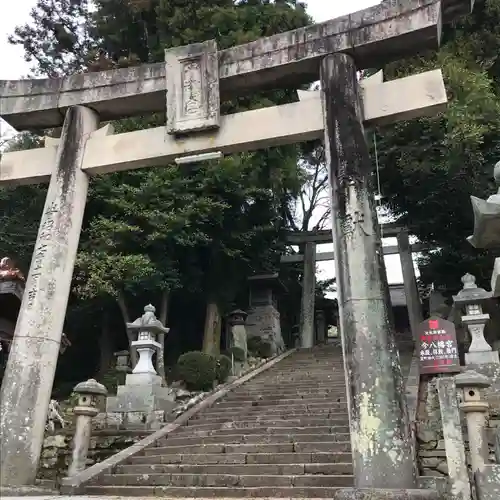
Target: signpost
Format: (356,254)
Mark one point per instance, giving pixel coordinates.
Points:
(438,348)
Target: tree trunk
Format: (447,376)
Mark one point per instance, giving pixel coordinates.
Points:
(160,356)
(213,325)
(126,318)
(105,348)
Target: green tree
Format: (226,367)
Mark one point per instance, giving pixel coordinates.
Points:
(431,166)
(202,228)
(20,210)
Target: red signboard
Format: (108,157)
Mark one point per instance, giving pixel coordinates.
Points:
(438,347)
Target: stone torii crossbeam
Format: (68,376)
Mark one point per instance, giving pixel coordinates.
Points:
(195,78)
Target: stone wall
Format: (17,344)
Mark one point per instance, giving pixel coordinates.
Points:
(56,453)
(431,449)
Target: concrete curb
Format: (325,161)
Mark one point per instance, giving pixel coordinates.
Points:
(72,485)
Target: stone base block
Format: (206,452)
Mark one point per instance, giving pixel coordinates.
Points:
(386,494)
(482,358)
(131,420)
(488,483)
(144,379)
(26,491)
(141,398)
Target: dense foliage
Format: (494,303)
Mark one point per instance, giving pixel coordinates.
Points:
(171,234)
(430,167)
(197,370)
(187,238)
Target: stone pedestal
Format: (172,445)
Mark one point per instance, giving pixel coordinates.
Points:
(142,392)
(263,316)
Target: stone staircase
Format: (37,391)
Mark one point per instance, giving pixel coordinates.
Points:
(284,433)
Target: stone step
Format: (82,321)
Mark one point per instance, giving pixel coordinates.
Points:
(225,480)
(284,394)
(250,439)
(250,424)
(277,408)
(302,417)
(302,386)
(265,492)
(272,412)
(280,447)
(238,469)
(258,429)
(241,458)
(263,401)
(313,402)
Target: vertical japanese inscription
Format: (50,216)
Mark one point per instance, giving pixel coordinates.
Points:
(45,235)
(438,348)
(192,90)
(193,100)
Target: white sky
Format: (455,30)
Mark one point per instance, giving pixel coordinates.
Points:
(13,66)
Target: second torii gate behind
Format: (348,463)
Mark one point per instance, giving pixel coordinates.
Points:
(310,239)
(196,78)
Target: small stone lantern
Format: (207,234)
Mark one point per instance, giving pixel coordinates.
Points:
(472,298)
(476,412)
(122,361)
(86,409)
(147,328)
(236,320)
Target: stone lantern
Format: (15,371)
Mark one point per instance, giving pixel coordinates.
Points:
(487,218)
(472,298)
(86,409)
(147,328)
(143,398)
(236,320)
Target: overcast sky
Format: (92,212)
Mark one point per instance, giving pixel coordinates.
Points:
(13,66)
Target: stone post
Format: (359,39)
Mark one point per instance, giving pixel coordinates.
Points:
(88,392)
(476,412)
(29,375)
(453,439)
(321,328)
(380,431)
(472,297)
(410,282)
(308,296)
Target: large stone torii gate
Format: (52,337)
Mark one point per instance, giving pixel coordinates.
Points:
(196,78)
(310,239)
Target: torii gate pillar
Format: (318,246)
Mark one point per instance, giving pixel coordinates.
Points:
(29,375)
(380,433)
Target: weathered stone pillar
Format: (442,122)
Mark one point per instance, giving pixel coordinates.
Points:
(27,384)
(85,411)
(380,432)
(410,282)
(308,296)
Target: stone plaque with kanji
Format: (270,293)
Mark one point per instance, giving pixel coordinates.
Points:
(438,348)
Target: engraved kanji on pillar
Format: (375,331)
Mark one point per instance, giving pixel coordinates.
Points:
(193,98)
